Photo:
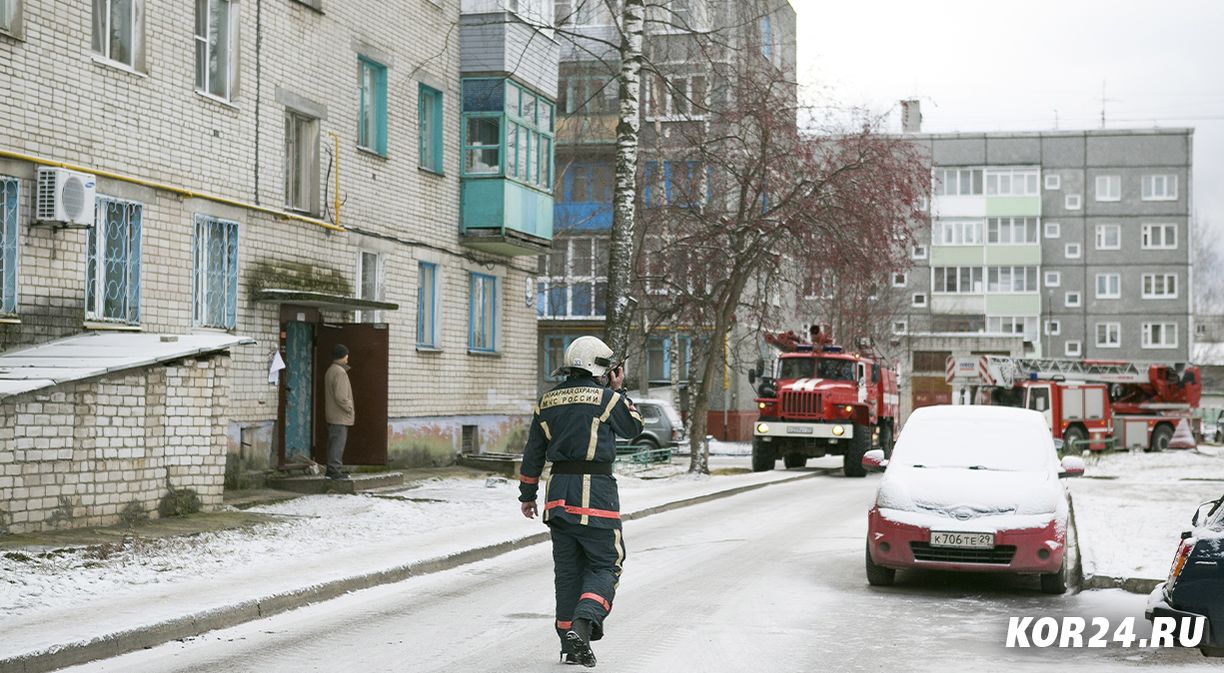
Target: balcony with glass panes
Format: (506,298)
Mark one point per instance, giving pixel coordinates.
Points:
(506,186)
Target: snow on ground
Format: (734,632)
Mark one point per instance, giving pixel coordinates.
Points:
(1207,462)
(1131,514)
(314,539)
(719,448)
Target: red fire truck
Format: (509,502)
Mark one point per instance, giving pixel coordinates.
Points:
(1092,403)
(821,400)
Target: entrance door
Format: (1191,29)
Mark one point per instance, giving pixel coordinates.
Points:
(297,392)
(369,350)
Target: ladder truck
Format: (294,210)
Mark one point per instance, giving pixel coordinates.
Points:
(1092,403)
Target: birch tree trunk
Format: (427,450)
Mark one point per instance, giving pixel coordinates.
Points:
(620,266)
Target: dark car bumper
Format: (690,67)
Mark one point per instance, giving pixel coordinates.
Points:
(1158,606)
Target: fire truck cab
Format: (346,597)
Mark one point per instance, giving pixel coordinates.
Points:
(1075,411)
(821,400)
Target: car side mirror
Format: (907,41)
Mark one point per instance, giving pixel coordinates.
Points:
(1203,509)
(1072,466)
(874,461)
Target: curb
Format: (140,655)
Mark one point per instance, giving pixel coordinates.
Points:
(145,637)
(1134,585)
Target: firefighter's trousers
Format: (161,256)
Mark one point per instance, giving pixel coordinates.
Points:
(587,567)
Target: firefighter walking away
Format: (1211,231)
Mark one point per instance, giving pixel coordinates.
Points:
(574,428)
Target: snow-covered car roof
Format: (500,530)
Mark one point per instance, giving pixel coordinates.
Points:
(976,437)
(977,411)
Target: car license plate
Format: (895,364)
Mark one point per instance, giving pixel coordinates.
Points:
(962,540)
(799,429)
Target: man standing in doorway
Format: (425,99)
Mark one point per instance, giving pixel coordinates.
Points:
(574,428)
(338,404)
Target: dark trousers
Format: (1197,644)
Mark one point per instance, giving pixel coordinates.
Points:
(337,437)
(586,567)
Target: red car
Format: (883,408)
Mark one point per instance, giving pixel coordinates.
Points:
(973,489)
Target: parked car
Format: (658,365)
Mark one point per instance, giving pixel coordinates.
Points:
(1195,587)
(661,425)
(974,489)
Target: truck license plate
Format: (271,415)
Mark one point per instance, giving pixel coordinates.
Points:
(799,429)
(962,540)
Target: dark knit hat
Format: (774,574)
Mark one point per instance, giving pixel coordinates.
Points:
(339,351)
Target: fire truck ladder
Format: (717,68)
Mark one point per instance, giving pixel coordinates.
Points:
(1005,371)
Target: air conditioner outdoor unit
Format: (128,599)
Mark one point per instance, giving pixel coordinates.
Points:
(65,197)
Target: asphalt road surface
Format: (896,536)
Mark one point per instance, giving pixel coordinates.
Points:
(771,580)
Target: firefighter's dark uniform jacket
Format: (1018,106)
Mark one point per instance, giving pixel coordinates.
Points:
(574,427)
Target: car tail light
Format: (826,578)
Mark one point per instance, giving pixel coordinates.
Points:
(677,433)
(1179,561)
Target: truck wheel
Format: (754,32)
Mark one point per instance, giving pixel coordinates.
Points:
(1161,437)
(1055,583)
(886,438)
(860,443)
(1073,439)
(879,576)
(794,460)
(763,456)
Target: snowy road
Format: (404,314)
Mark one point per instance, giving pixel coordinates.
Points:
(771,581)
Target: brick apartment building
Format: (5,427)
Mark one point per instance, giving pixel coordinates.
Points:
(293,172)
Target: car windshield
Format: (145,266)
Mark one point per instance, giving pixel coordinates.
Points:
(819,368)
(974,443)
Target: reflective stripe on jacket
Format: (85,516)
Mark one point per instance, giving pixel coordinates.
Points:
(578,421)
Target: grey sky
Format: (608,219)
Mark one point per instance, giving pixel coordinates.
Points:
(980,65)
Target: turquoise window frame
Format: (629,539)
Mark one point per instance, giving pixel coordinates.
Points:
(483,315)
(427,305)
(377,79)
(526,121)
(10,200)
(429,137)
(686,353)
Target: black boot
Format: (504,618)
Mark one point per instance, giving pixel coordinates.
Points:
(579,638)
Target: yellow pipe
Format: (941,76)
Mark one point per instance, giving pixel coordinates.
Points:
(171,188)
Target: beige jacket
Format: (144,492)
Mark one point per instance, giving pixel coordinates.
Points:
(338,395)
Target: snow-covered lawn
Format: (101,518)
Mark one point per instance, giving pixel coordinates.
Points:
(312,540)
(1207,462)
(1130,516)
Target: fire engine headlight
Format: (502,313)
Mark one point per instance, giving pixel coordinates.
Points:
(849,409)
(839,430)
(761,405)
(763,428)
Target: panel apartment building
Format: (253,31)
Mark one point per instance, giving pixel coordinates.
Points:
(1065,244)
(298,173)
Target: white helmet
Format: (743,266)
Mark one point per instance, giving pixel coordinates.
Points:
(590,354)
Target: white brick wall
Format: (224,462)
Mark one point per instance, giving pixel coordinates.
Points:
(83,451)
(63,105)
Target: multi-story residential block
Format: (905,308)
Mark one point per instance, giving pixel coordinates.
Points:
(1077,242)
(687,82)
(301,172)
